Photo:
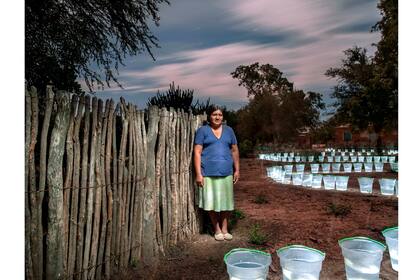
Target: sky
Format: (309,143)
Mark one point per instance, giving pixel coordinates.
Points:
(202,42)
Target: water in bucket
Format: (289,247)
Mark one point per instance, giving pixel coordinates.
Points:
(391,159)
(343,154)
(347,167)
(247,264)
(297,158)
(330,158)
(326,167)
(368,153)
(337,158)
(369,159)
(359,153)
(314,167)
(321,158)
(287,179)
(288,168)
(292,154)
(336,167)
(284,159)
(391,238)
(384,159)
(362,257)
(396,187)
(300,168)
(363,150)
(357,166)
(341,182)
(316,181)
(365,184)
(310,158)
(379,167)
(377,159)
(290,159)
(307,180)
(368,166)
(387,186)
(323,154)
(285,154)
(300,262)
(345,158)
(394,166)
(346,150)
(329,182)
(353,158)
(297,178)
(361,158)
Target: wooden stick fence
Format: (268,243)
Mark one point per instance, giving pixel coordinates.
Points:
(105,186)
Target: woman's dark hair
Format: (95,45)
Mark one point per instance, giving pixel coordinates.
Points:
(211,109)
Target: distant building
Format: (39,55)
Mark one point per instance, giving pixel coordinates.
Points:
(345,136)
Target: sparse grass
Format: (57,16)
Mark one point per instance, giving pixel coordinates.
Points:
(338,210)
(257,236)
(134,263)
(260,199)
(235,217)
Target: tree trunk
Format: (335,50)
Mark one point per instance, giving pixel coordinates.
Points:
(55,258)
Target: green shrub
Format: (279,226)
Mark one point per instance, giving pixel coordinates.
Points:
(338,209)
(246,148)
(234,217)
(256,236)
(260,199)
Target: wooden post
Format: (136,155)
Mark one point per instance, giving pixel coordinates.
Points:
(97,189)
(68,179)
(83,189)
(149,248)
(29,273)
(161,174)
(91,186)
(36,244)
(71,263)
(109,193)
(55,258)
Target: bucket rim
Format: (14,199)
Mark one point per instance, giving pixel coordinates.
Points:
(300,246)
(389,229)
(246,250)
(363,238)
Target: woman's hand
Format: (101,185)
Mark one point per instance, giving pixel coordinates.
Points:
(199,179)
(235,177)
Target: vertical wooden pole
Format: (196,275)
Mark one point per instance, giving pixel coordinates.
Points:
(29,273)
(83,189)
(109,191)
(71,263)
(55,258)
(149,248)
(96,188)
(91,186)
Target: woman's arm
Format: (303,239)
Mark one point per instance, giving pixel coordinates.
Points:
(235,156)
(197,165)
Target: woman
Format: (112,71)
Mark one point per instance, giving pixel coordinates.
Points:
(216,162)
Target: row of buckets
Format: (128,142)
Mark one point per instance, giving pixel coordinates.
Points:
(362,259)
(336,167)
(351,158)
(388,186)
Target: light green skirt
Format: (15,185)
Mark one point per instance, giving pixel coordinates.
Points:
(217,194)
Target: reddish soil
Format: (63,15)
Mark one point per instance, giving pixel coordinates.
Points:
(291,215)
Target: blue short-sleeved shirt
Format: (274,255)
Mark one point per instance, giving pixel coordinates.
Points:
(216,157)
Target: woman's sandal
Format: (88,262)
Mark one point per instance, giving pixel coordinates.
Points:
(219,236)
(227,236)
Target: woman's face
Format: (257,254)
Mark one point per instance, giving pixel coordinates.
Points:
(216,117)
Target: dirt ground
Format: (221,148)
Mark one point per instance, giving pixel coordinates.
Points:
(290,215)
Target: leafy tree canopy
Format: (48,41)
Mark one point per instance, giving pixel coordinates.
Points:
(259,79)
(65,38)
(276,112)
(367,89)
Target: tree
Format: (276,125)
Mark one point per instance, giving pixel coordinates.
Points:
(179,99)
(70,39)
(261,79)
(367,89)
(275,112)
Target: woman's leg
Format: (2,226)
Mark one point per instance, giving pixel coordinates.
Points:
(224,216)
(214,217)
